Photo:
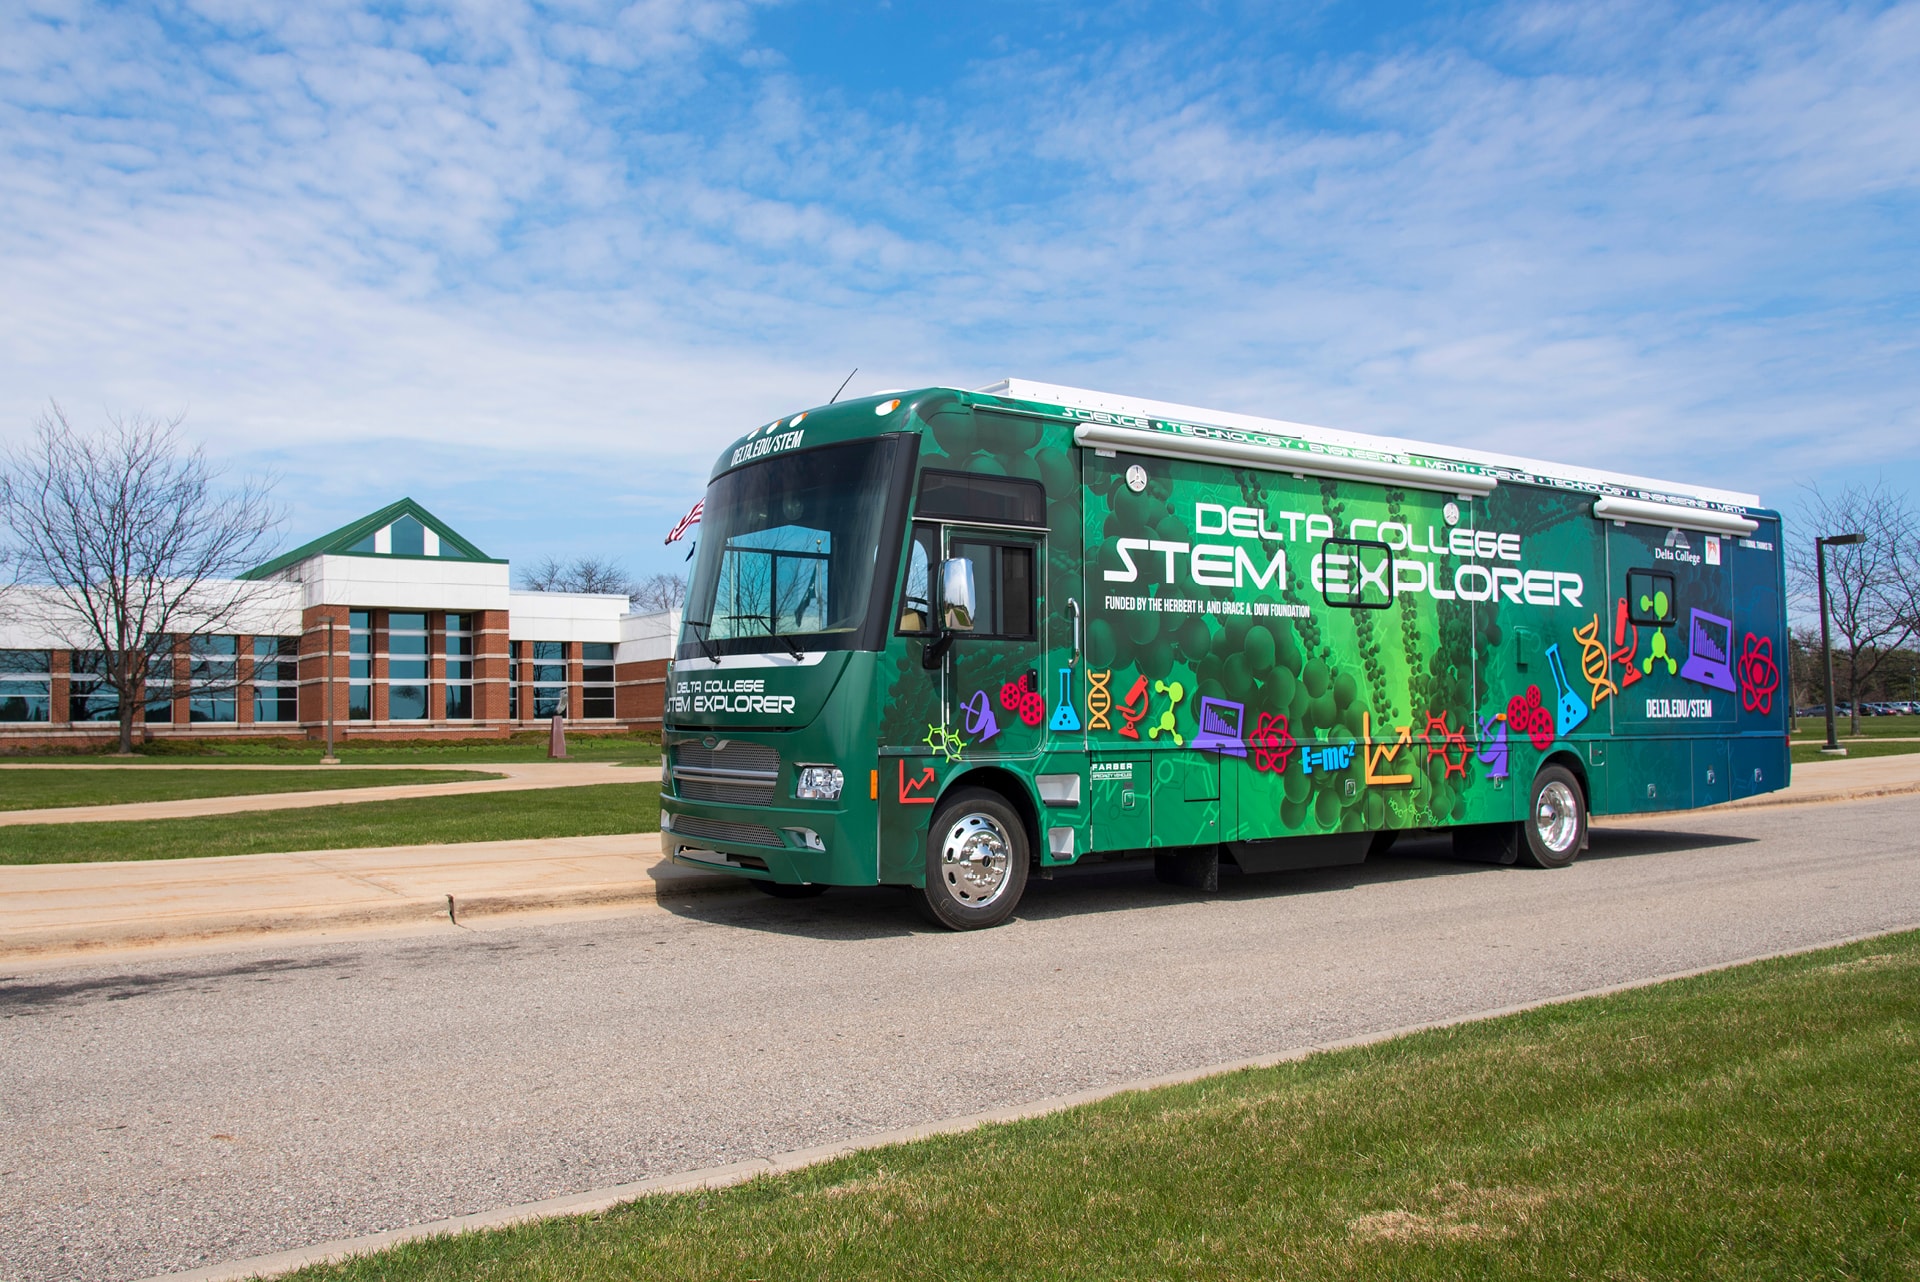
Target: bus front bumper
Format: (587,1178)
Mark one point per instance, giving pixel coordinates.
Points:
(791,845)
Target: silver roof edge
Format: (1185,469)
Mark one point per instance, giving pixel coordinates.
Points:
(1114,403)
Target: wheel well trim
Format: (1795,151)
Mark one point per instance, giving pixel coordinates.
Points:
(1570,759)
(1011,788)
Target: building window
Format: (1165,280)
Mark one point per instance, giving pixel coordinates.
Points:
(408,646)
(26,685)
(549,679)
(513,680)
(89,697)
(359,665)
(213,678)
(459,667)
(159,688)
(408,536)
(276,678)
(596,679)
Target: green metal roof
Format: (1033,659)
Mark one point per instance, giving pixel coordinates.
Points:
(345,540)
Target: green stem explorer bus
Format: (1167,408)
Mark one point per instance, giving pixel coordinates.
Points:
(948,640)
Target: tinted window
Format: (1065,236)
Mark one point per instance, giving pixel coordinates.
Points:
(1002,587)
(968,496)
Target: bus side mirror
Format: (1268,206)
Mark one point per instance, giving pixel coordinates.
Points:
(956,595)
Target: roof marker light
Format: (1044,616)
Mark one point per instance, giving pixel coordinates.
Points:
(885,408)
(795,420)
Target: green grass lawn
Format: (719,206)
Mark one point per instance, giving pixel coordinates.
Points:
(500,816)
(113,785)
(1803,752)
(625,749)
(1870,727)
(1754,1123)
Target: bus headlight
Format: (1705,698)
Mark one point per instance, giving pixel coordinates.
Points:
(818,783)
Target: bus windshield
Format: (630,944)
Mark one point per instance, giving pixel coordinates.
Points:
(788,550)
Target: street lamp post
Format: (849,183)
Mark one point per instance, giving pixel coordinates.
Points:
(1820,546)
(330,759)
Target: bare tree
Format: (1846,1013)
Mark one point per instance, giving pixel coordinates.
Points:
(1873,588)
(660,592)
(582,574)
(119,541)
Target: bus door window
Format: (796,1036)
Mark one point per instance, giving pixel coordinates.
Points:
(1002,585)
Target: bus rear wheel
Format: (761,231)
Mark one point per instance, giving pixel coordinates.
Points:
(976,861)
(1556,824)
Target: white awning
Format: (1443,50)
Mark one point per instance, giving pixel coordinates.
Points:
(1643,512)
(1277,459)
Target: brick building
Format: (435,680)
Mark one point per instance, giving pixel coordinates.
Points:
(405,627)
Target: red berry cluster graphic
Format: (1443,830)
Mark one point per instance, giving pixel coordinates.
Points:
(1021,697)
(1525,714)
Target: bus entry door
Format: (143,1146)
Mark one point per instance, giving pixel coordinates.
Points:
(998,698)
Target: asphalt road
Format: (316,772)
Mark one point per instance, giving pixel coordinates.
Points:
(186,1110)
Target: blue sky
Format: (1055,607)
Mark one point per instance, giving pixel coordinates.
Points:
(534,264)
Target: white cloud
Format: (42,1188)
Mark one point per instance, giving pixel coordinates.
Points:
(1673,241)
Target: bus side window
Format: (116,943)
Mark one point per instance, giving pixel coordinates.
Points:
(916,600)
(1650,599)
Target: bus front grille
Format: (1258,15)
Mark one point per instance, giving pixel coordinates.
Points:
(729,755)
(741,774)
(722,830)
(735,792)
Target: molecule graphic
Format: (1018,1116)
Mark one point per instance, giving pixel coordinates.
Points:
(1658,654)
(1175,692)
(1448,743)
(943,742)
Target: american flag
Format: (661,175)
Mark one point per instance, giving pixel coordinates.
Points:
(687,522)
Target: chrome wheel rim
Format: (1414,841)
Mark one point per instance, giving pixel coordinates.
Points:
(974,860)
(1556,817)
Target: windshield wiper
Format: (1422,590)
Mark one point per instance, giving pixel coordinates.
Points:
(700,639)
(788,641)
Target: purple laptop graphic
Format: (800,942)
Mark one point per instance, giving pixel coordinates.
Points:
(1710,643)
(1220,727)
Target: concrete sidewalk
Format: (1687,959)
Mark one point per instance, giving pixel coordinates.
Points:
(515,777)
(51,909)
(1841,779)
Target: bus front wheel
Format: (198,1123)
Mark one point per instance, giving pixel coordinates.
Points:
(1556,822)
(976,861)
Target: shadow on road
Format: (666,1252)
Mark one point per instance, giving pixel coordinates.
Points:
(1621,843)
(25,996)
(1124,885)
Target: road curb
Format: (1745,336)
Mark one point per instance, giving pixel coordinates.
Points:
(413,910)
(597,1200)
(1780,799)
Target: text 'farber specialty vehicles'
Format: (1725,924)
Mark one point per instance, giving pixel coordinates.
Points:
(941,639)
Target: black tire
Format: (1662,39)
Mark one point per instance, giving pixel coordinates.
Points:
(789,889)
(977,855)
(1555,827)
